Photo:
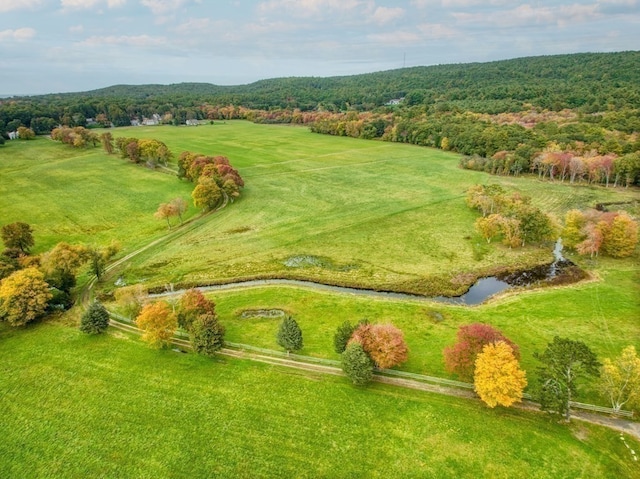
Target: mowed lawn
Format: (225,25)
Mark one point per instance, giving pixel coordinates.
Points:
(78,406)
(359,213)
(82,196)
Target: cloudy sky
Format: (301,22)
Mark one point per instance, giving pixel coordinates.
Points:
(49,46)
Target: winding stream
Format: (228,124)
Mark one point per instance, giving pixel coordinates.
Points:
(481,290)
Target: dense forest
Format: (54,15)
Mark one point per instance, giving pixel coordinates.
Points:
(510,116)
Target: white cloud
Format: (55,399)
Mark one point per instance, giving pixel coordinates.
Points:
(383,15)
(308,8)
(127,40)
(86,4)
(8,5)
(20,34)
(77,4)
(76,29)
(526,15)
(423,33)
(163,7)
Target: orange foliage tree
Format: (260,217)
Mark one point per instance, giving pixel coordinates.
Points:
(384,343)
(158,322)
(498,379)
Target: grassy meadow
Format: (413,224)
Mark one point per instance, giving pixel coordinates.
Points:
(350,212)
(80,406)
(82,196)
(372,214)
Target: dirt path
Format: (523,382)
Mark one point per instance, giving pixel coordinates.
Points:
(629,427)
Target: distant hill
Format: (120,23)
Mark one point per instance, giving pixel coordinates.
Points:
(595,81)
(585,82)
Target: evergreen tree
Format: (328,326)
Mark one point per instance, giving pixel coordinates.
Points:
(342,336)
(95,320)
(289,335)
(207,334)
(564,362)
(357,364)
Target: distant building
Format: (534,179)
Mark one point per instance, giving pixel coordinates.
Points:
(193,122)
(135,122)
(395,101)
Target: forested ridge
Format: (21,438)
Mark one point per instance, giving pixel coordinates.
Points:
(590,82)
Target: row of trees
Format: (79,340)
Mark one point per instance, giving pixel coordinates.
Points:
(77,137)
(485,356)
(481,353)
(214,177)
(593,232)
(556,165)
(510,216)
(32,285)
(194,313)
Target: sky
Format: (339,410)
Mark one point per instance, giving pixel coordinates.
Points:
(51,46)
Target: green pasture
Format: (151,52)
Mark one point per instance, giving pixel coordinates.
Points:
(80,406)
(604,314)
(82,196)
(346,211)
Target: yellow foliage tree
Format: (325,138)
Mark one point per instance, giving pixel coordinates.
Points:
(620,379)
(24,296)
(498,379)
(158,322)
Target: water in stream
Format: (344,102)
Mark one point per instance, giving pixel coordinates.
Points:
(477,293)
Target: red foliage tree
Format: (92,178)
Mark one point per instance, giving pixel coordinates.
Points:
(384,343)
(193,304)
(460,357)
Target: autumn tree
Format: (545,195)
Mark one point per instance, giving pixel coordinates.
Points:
(564,362)
(99,257)
(357,364)
(25,133)
(489,226)
(158,323)
(207,334)
(573,232)
(289,335)
(130,299)
(17,235)
(193,304)
(384,343)
(164,212)
(498,379)
(621,238)
(179,206)
(95,319)
(460,357)
(24,296)
(61,264)
(107,142)
(620,379)
(206,194)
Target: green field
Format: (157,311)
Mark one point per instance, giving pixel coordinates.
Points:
(82,196)
(76,406)
(354,212)
(360,213)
